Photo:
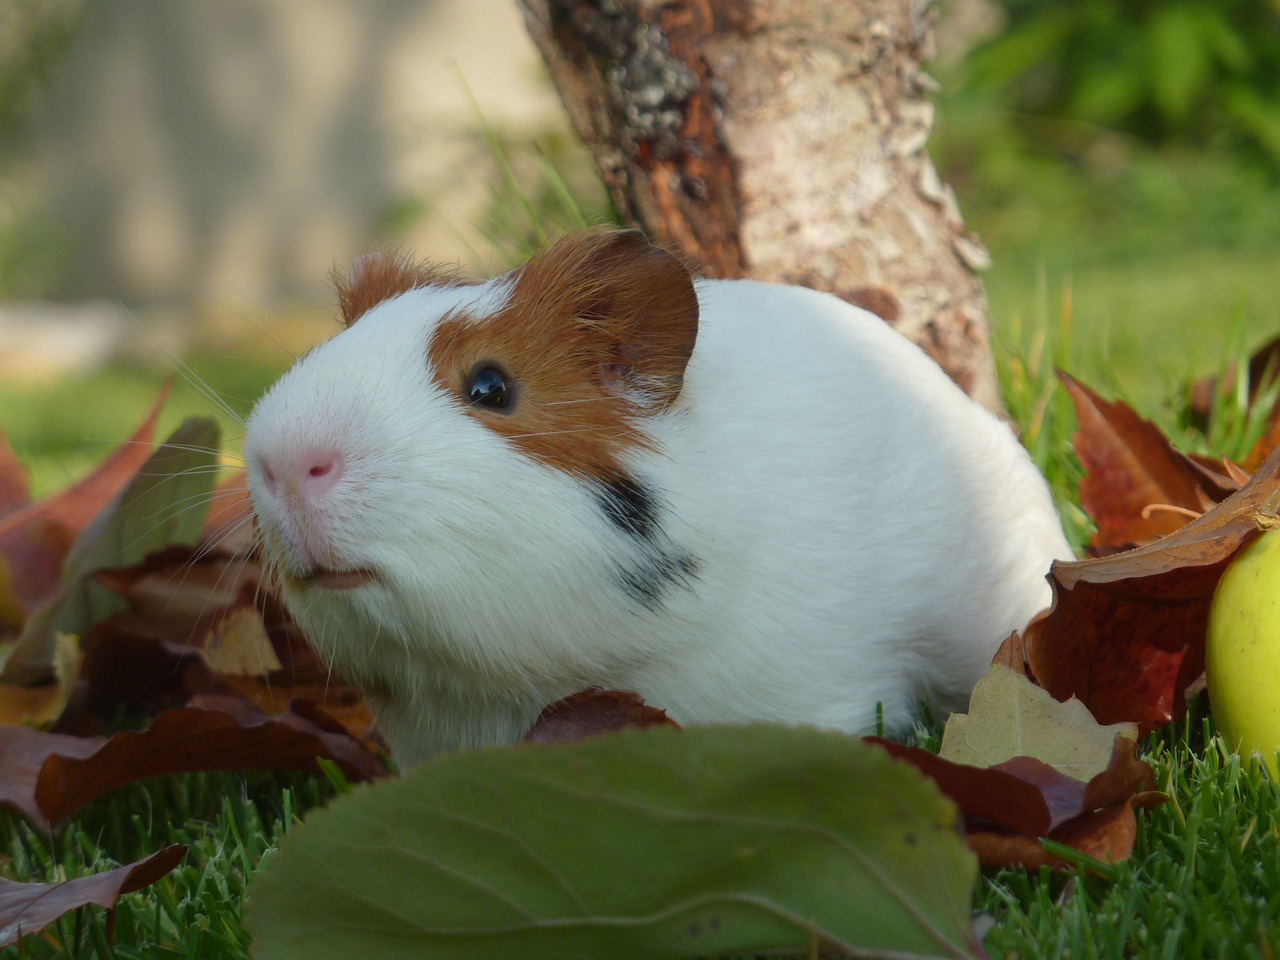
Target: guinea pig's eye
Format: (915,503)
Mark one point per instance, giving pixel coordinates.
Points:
(489,389)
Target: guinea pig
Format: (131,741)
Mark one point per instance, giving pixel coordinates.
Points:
(744,501)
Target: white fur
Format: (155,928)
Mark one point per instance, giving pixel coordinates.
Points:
(862,532)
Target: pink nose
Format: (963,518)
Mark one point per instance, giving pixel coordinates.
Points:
(310,474)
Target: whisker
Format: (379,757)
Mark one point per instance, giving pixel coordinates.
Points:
(258,325)
(552,433)
(190,448)
(205,389)
(215,542)
(604,398)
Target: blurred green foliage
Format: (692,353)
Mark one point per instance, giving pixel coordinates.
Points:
(1145,125)
(1191,72)
(34,35)
(1107,170)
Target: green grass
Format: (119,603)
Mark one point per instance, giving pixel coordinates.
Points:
(1203,881)
(231,823)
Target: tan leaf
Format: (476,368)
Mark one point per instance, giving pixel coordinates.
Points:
(1009,716)
(238,645)
(40,706)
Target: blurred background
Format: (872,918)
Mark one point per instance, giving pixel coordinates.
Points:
(178,178)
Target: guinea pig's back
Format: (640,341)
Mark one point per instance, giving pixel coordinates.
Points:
(848,494)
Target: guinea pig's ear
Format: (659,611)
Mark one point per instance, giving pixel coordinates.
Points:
(640,298)
(377,277)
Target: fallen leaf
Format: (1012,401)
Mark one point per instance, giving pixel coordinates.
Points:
(37,536)
(1106,835)
(340,702)
(1265,444)
(230,524)
(1009,717)
(1126,632)
(139,673)
(238,645)
(986,796)
(1136,486)
(1009,807)
(592,712)
(42,705)
(38,706)
(15,481)
(160,505)
(201,621)
(715,841)
(179,591)
(12,614)
(22,752)
(35,556)
(27,908)
(48,777)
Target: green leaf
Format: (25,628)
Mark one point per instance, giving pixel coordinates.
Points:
(714,841)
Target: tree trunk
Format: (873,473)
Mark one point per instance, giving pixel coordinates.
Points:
(781,140)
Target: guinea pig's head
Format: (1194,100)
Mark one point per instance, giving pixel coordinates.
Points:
(430,457)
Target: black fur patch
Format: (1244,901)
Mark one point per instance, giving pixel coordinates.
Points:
(646,583)
(630,505)
(634,509)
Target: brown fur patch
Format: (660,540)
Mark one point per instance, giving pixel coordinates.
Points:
(377,277)
(595,336)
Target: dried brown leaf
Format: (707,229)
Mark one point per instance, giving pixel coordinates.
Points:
(1107,835)
(205,622)
(1136,486)
(36,537)
(35,555)
(181,591)
(15,482)
(27,908)
(229,525)
(49,776)
(987,796)
(12,615)
(1126,632)
(1009,807)
(592,712)
(23,750)
(340,701)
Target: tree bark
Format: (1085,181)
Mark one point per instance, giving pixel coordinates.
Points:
(781,140)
